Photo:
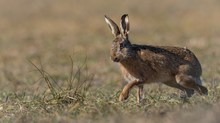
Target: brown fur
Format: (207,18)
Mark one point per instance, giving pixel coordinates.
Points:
(142,64)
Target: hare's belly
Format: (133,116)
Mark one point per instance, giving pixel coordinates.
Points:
(146,78)
(142,75)
(152,79)
(160,77)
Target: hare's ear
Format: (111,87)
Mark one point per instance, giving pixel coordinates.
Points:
(125,24)
(113,26)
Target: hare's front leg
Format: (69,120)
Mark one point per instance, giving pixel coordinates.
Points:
(140,93)
(125,92)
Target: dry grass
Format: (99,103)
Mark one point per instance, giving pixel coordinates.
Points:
(47,32)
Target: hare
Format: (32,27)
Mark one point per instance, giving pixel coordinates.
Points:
(142,64)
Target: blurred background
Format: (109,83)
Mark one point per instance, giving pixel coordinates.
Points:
(49,32)
(52,30)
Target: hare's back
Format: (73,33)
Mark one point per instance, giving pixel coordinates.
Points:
(177,53)
(176,58)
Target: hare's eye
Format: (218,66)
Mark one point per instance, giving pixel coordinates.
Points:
(122,45)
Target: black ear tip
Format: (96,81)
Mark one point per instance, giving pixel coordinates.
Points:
(124,16)
(106,16)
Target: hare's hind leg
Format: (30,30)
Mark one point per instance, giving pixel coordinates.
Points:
(125,92)
(188,82)
(185,92)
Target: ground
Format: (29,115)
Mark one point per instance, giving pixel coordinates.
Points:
(55,65)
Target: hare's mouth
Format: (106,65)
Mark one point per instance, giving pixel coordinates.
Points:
(116,60)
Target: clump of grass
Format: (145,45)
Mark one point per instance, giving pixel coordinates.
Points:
(72,92)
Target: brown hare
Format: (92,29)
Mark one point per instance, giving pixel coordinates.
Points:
(142,64)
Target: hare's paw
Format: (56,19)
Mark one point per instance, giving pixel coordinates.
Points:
(203,90)
(123,97)
(187,93)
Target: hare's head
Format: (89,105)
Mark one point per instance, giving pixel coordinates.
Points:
(121,47)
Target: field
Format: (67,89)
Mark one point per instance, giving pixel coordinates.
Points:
(55,65)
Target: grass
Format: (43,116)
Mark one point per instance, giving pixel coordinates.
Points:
(40,82)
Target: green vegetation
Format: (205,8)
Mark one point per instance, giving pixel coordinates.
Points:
(55,66)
